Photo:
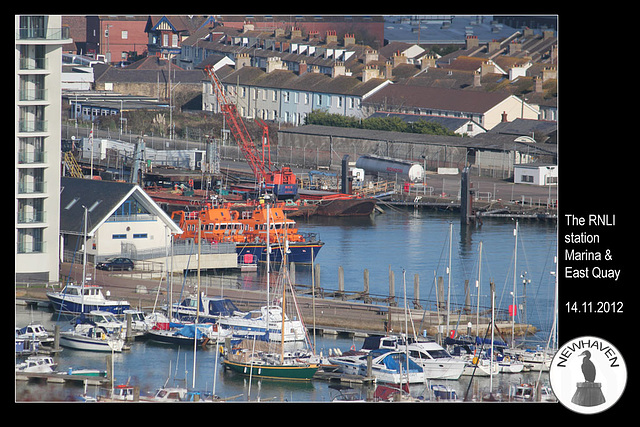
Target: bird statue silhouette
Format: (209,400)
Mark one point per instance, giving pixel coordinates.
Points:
(588,368)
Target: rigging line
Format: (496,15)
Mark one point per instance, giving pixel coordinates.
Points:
(73,261)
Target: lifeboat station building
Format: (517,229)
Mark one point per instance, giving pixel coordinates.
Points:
(122,220)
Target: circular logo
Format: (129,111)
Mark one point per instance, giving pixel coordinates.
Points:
(588,375)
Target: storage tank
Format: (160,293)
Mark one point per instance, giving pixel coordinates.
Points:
(404,169)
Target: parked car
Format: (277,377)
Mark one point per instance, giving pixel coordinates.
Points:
(116,264)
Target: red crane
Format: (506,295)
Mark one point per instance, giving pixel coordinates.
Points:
(282,182)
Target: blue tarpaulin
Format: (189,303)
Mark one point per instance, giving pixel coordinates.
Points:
(190,331)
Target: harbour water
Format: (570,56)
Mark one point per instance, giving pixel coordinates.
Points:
(414,241)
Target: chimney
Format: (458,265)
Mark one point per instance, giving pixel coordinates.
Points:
(302,67)
(349,39)
(370,56)
(312,35)
(514,47)
(242,60)
(388,70)
(537,84)
(472,42)
(428,61)
(370,72)
(549,73)
(504,117)
(332,37)
(547,34)
(296,33)
(338,69)
(487,67)
(398,59)
(274,63)
(278,32)
(247,26)
(493,46)
(477,79)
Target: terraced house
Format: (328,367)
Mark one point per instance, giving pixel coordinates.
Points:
(276,93)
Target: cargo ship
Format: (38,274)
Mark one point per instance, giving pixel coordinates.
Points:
(246,226)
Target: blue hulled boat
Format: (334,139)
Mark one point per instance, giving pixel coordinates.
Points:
(83,299)
(299,252)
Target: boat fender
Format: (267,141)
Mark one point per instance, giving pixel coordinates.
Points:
(353,347)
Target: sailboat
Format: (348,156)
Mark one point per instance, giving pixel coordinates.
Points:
(86,335)
(247,360)
(538,359)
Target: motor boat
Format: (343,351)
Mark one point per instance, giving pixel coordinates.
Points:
(75,298)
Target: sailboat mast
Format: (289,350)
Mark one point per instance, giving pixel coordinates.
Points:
(449,274)
(268,267)
(195,328)
(478,286)
(513,307)
(84,258)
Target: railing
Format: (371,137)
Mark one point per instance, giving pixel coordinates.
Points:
(42,33)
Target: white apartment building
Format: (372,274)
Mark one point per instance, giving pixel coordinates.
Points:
(38,69)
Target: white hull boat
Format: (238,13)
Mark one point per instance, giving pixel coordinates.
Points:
(435,361)
(248,326)
(387,366)
(91,338)
(41,364)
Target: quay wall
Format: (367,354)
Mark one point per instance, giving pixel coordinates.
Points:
(330,313)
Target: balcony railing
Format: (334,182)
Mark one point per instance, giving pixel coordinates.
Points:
(42,33)
(31,217)
(31,187)
(33,95)
(33,63)
(26,157)
(32,247)
(32,126)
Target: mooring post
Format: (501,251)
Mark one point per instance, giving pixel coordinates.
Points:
(466,200)
(441,293)
(292,272)
(56,337)
(317,273)
(392,288)
(365,292)
(341,282)
(467,297)
(129,334)
(416,291)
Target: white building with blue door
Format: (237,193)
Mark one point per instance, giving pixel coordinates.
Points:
(121,219)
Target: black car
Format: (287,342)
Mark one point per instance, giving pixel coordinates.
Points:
(116,264)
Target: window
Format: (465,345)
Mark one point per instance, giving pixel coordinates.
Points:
(30,240)
(118,236)
(526,178)
(285,96)
(125,35)
(140,235)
